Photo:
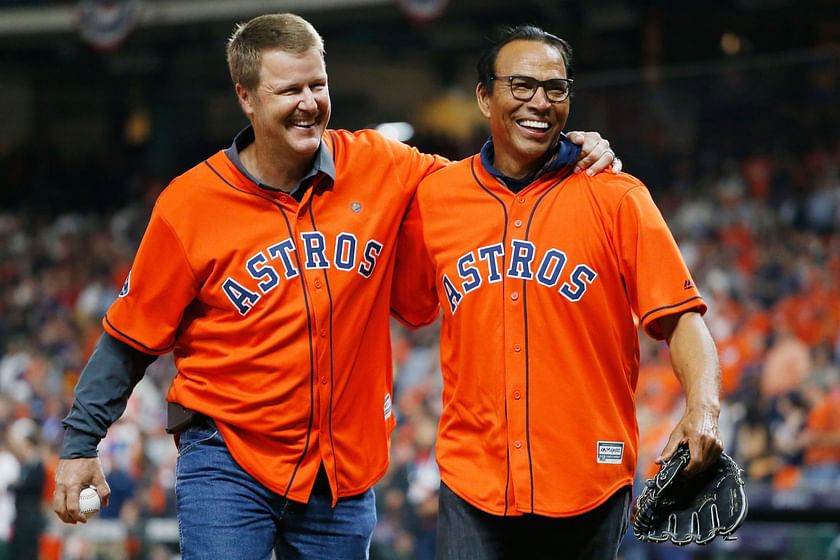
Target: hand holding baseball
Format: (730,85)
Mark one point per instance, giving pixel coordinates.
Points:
(89,501)
(70,476)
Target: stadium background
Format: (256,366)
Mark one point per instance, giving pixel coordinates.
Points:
(728,111)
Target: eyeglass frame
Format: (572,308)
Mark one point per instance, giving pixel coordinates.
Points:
(537,85)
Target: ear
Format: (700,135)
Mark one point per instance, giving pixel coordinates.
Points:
(244,97)
(482,96)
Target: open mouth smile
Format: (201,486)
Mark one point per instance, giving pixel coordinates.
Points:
(533,126)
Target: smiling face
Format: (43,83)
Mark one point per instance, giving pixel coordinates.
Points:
(290,106)
(523,131)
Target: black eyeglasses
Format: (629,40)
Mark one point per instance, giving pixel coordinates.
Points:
(523,88)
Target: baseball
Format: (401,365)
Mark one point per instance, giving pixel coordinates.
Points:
(89,501)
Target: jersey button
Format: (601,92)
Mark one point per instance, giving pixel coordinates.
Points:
(517,223)
(520,199)
(323,333)
(514,296)
(517,444)
(284,198)
(318,284)
(323,380)
(517,395)
(517,348)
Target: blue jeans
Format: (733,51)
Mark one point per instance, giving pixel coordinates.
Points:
(468,533)
(223,512)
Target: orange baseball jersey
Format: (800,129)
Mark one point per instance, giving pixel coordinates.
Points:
(275,312)
(541,293)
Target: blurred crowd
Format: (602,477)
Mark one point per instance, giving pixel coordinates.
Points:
(760,230)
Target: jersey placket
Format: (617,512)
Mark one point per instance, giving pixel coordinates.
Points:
(516,361)
(316,261)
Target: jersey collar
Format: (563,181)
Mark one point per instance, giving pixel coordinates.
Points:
(323,163)
(564,155)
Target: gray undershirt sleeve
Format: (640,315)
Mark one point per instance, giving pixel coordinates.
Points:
(101,395)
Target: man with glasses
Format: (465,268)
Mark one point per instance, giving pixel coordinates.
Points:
(523,88)
(543,277)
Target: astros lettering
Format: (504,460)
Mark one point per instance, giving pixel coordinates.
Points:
(345,258)
(485,265)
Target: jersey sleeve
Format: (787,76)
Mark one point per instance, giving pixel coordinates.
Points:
(160,286)
(657,279)
(414,301)
(414,166)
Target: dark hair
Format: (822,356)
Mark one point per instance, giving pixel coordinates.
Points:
(487,62)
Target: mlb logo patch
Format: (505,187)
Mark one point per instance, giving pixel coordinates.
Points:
(610,452)
(126,286)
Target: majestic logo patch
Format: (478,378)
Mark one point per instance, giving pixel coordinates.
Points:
(687,285)
(610,452)
(126,285)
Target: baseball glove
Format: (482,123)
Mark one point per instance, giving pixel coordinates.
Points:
(695,509)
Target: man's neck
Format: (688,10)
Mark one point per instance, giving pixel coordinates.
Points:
(518,169)
(517,175)
(274,170)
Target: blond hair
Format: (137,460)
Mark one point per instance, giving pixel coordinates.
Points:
(287,32)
